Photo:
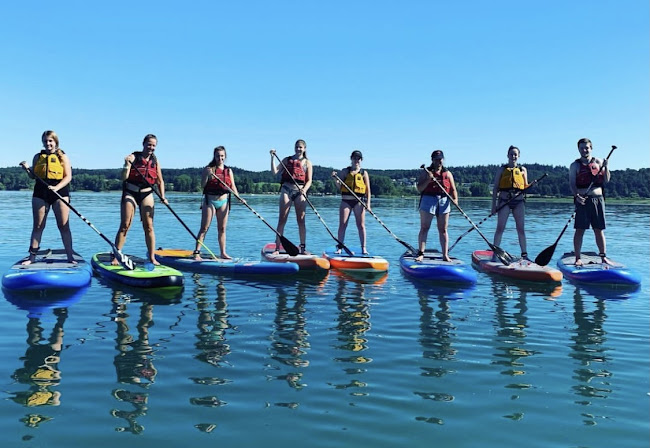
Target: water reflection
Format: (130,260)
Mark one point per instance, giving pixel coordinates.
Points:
(588,349)
(353,321)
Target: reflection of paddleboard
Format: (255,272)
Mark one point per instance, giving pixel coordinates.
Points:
(184,260)
(356,262)
(50,270)
(36,304)
(594,271)
(145,274)
(520,269)
(432,267)
(441,291)
(306,262)
(369,278)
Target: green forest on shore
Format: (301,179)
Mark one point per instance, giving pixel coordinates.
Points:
(471,181)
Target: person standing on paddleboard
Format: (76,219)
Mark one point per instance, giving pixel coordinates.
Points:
(296,172)
(434,202)
(140,173)
(509,182)
(587,175)
(217,181)
(358,181)
(53,166)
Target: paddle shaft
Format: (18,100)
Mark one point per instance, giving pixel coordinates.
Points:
(343,246)
(288,245)
(404,243)
(516,195)
(492,246)
(175,215)
(124,260)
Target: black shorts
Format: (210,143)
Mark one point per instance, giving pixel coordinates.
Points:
(49,196)
(591,214)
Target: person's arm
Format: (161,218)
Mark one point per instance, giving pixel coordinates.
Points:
(573,173)
(524,171)
(274,168)
(67,173)
(308,176)
(606,173)
(423,180)
(495,188)
(453,193)
(161,183)
(128,160)
(30,173)
(234,186)
(366,179)
(206,175)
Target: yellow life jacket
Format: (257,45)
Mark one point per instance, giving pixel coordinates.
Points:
(355,182)
(512,179)
(49,166)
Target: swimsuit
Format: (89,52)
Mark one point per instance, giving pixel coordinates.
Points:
(290,190)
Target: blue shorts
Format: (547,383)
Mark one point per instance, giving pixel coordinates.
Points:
(435,205)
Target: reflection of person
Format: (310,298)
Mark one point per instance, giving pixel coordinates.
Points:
(510,179)
(141,170)
(590,203)
(212,325)
(434,202)
(41,363)
(216,199)
(358,181)
(53,166)
(299,167)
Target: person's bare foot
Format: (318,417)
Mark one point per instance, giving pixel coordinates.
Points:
(225,256)
(578,262)
(154,262)
(29,261)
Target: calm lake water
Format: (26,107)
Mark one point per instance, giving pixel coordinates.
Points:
(333,361)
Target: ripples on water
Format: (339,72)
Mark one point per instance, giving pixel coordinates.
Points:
(330,361)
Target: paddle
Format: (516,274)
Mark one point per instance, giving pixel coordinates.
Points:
(125,261)
(545,256)
(174,213)
(289,247)
(339,243)
(520,192)
(501,254)
(403,243)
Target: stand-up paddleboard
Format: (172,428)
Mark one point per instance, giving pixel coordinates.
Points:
(50,270)
(184,260)
(145,274)
(305,262)
(594,271)
(432,267)
(521,269)
(357,262)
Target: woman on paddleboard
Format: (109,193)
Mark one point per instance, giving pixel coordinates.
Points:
(357,181)
(218,182)
(587,175)
(53,166)
(507,196)
(434,202)
(141,172)
(296,172)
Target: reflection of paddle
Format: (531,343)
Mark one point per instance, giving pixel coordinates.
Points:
(288,246)
(174,213)
(125,261)
(545,256)
(340,244)
(516,195)
(403,243)
(501,254)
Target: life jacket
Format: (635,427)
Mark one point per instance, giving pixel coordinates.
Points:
(143,173)
(214,187)
(294,166)
(512,179)
(588,173)
(432,188)
(49,166)
(355,182)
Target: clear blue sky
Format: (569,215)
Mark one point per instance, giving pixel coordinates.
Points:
(395,79)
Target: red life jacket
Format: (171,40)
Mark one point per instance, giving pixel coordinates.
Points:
(214,187)
(295,168)
(587,173)
(432,188)
(143,174)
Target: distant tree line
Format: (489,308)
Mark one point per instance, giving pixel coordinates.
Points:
(471,181)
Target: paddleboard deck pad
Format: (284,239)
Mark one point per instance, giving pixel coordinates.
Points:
(305,261)
(520,269)
(50,270)
(594,271)
(356,262)
(145,274)
(184,260)
(433,267)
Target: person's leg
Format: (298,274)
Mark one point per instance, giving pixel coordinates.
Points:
(40,208)
(425,225)
(360,218)
(207,212)
(146,214)
(519,213)
(577,245)
(442,222)
(344,216)
(502,219)
(300,206)
(283,214)
(127,211)
(62,214)
(222,223)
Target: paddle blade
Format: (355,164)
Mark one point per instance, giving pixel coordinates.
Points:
(545,256)
(503,256)
(124,261)
(289,247)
